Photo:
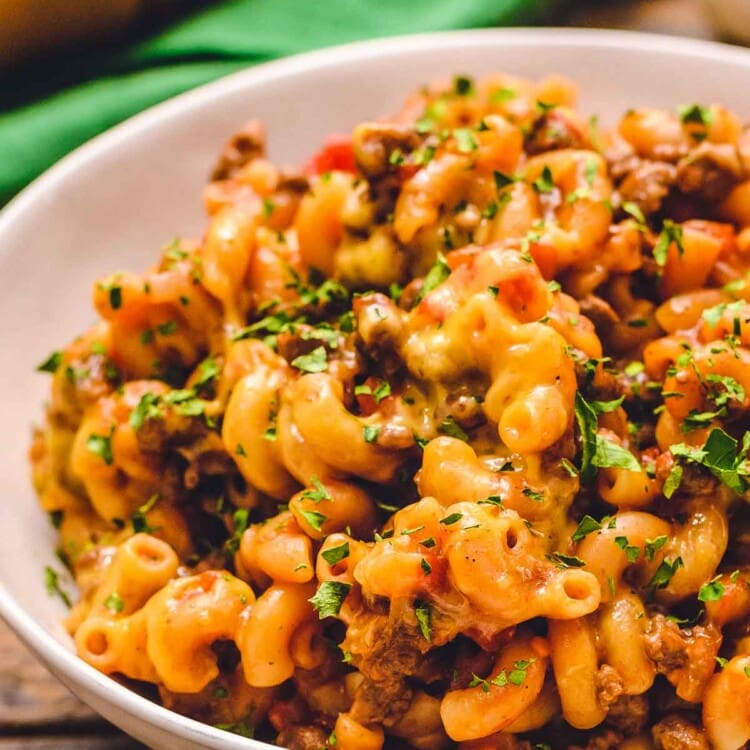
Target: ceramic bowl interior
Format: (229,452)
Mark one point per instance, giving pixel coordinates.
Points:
(113,203)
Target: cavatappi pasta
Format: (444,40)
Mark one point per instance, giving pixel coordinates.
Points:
(438,442)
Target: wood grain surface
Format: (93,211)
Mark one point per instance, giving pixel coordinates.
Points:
(36,712)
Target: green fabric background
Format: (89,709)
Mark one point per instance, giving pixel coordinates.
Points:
(53,109)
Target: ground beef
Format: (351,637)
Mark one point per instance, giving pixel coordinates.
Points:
(686,657)
(647,185)
(389,656)
(600,313)
(677,733)
(303,738)
(609,685)
(554,130)
(500,741)
(375,145)
(248,705)
(709,171)
(621,159)
(608,740)
(694,483)
(628,714)
(244,146)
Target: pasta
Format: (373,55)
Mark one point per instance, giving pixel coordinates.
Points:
(442,441)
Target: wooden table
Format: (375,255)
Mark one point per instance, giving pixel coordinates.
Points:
(36,712)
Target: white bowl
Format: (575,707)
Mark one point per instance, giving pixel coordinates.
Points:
(113,202)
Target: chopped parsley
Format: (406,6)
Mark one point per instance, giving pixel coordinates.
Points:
(409,532)
(370,433)
(139,521)
(382,390)
(465,140)
(673,480)
(590,170)
(423,156)
(722,456)
(634,210)
(653,545)
(504,94)
(424,619)
(535,495)
(450,427)
(315,519)
(711,591)
(565,561)
(495,500)
(502,180)
(713,315)
(396,158)
(671,233)
(598,451)
(516,676)
(437,274)
(606,407)
(333,555)
(52,584)
(208,371)
(114,291)
(545,182)
(587,525)
(268,207)
(148,407)
(101,445)
(665,572)
(451,519)
(114,603)
(587,426)
(315,361)
(168,328)
(632,551)
(545,107)
(329,598)
(318,493)
(463,86)
(609,454)
(696,114)
(52,363)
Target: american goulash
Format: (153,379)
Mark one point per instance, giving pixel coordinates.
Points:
(440,441)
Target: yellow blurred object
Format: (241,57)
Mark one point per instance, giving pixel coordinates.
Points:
(33,28)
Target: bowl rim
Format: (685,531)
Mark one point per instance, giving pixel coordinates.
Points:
(41,642)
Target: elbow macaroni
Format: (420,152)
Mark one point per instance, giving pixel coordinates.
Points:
(438,442)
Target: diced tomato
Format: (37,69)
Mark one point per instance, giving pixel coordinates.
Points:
(337,154)
(436,579)
(437,304)
(462,256)
(366,401)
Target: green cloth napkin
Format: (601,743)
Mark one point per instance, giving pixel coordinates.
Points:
(59,106)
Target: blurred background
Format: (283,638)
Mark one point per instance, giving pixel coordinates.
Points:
(70,69)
